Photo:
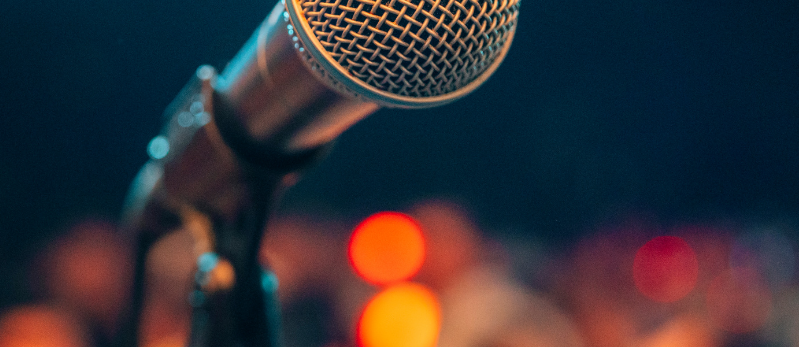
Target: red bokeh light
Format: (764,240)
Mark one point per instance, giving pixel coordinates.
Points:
(665,269)
(404,315)
(387,247)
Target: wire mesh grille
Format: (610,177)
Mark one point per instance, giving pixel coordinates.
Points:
(417,48)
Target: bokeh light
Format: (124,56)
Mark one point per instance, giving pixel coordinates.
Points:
(175,340)
(40,326)
(88,270)
(215,273)
(158,147)
(387,247)
(404,315)
(665,269)
(738,300)
(684,330)
(171,267)
(453,242)
(768,251)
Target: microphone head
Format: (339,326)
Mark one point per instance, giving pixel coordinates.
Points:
(402,53)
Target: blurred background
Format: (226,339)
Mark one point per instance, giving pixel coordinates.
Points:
(610,124)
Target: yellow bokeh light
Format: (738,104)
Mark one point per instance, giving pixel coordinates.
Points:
(403,315)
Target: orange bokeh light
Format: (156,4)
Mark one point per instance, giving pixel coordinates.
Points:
(665,269)
(40,326)
(88,269)
(738,300)
(387,247)
(404,315)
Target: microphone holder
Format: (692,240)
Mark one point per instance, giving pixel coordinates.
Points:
(194,174)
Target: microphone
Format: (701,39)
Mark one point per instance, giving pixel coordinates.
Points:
(234,141)
(315,67)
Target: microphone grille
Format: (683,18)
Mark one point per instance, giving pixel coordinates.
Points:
(413,49)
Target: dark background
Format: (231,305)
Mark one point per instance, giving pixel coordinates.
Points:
(678,109)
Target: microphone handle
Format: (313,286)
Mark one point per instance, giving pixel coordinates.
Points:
(278,104)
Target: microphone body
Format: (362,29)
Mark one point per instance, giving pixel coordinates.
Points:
(277,104)
(234,141)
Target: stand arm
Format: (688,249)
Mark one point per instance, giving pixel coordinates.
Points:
(193,173)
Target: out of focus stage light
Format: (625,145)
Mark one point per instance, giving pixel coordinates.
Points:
(665,269)
(403,315)
(387,247)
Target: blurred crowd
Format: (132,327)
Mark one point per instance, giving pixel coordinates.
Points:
(727,283)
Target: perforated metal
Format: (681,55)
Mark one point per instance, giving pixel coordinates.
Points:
(416,48)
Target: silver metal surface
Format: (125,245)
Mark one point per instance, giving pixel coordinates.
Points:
(401,53)
(316,67)
(277,102)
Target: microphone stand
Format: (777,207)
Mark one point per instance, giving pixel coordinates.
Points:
(228,151)
(194,174)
